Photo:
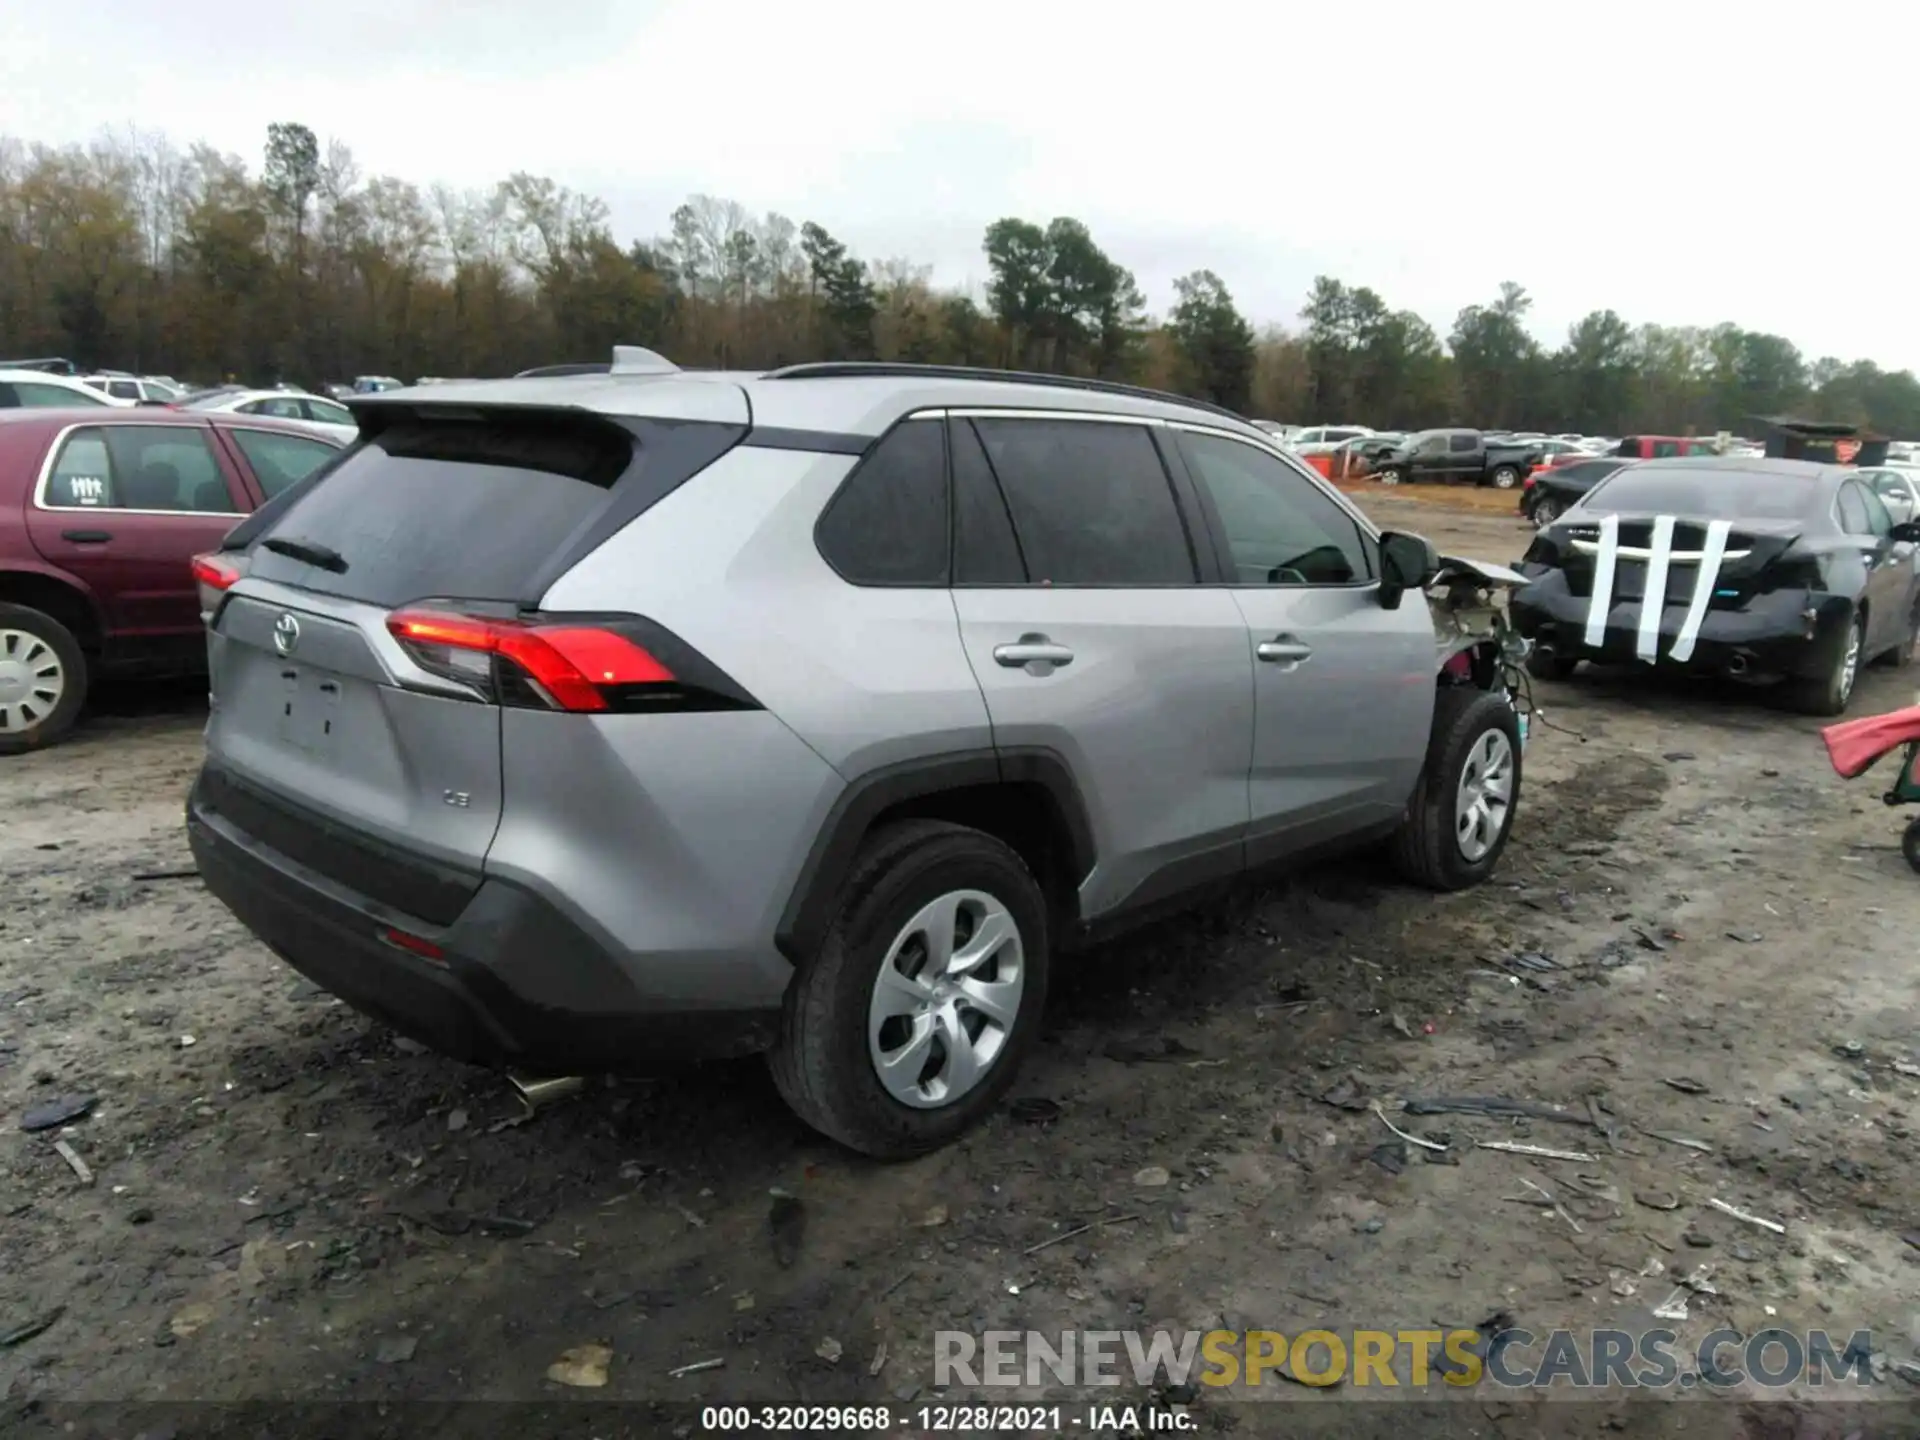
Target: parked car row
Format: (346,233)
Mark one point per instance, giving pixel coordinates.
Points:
(102,509)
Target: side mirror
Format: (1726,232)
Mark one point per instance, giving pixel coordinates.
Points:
(1407,562)
(1907,532)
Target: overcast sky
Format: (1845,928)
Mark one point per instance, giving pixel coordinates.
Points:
(1679,162)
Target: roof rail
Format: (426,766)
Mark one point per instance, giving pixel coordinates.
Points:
(547,372)
(885,369)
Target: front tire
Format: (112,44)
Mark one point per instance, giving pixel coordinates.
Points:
(1504,477)
(43,679)
(1468,794)
(1546,512)
(912,1020)
(1392,477)
(1831,693)
(1903,654)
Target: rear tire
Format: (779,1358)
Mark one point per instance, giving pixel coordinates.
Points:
(43,679)
(1546,512)
(1391,477)
(827,1061)
(1474,732)
(1910,844)
(1551,664)
(1831,693)
(1504,477)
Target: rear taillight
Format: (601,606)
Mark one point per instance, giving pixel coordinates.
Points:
(556,665)
(215,574)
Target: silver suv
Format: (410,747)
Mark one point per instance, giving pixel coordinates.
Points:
(586,721)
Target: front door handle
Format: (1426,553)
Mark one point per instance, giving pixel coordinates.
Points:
(1283,650)
(87,537)
(1032,651)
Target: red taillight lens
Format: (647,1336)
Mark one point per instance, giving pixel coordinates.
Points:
(570,666)
(216,572)
(414,945)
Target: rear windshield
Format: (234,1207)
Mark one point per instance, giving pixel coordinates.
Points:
(1709,492)
(468,511)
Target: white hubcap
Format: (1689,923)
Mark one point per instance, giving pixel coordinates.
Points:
(1484,800)
(946,999)
(32,680)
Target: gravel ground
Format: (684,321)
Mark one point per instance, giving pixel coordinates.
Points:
(288,1203)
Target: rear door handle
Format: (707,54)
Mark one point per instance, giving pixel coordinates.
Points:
(87,537)
(1032,650)
(1283,650)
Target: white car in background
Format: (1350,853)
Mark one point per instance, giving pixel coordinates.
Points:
(329,417)
(41,390)
(134,389)
(1323,439)
(1898,486)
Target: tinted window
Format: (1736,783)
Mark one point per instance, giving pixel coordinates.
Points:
(123,390)
(1463,444)
(139,467)
(1706,492)
(1853,511)
(887,525)
(1877,515)
(984,549)
(1585,472)
(1280,527)
(280,406)
(278,461)
(467,511)
(33,395)
(1091,502)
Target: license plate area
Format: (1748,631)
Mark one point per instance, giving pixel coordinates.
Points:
(311,709)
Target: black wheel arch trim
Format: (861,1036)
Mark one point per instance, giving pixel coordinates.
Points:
(803,923)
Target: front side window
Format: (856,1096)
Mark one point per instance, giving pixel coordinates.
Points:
(1091,502)
(167,469)
(1281,528)
(887,525)
(281,461)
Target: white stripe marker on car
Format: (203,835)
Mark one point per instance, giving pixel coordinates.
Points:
(1609,549)
(1653,595)
(1711,554)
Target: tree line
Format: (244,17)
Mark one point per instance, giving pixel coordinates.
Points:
(133,253)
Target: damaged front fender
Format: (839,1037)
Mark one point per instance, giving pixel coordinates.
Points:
(1468,602)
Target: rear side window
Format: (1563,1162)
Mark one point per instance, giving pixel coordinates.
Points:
(462,510)
(280,461)
(1463,444)
(985,551)
(1853,511)
(887,525)
(30,395)
(168,469)
(1091,502)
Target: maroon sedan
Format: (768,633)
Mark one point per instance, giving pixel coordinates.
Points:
(101,514)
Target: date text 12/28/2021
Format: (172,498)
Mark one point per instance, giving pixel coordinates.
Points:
(1094,1420)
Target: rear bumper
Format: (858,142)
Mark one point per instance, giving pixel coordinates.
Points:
(1791,633)
(571,1007)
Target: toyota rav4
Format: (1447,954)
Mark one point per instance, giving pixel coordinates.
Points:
(586,721)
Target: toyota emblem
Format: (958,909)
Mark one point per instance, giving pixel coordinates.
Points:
(286,634)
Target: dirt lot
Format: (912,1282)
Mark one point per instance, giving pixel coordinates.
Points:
(288,1203)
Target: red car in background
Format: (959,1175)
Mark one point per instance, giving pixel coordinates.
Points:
(101,514)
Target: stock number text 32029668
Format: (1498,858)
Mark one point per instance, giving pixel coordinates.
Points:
(931,1419)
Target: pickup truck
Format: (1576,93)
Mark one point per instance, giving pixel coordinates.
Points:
(1455,455)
